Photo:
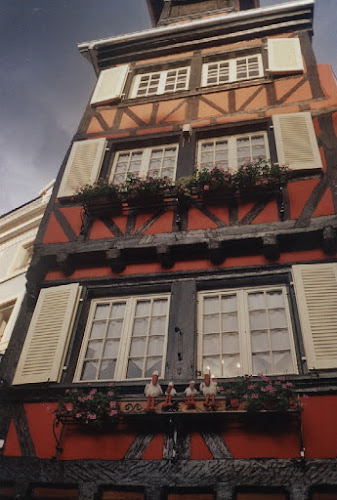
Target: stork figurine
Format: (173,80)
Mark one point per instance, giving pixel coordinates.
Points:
(152,391)
(190,392)
(209,389)
(169,393)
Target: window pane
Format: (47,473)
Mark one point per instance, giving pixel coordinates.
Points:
(280,340)
(140,326)
(211,344)
(118,310)
(213,365)
(261,363)
(228,303)
(158,326)
(211,323)
(260,341)
(153,364)
(229,322)
(111,349)
(94,349)
(89,370)
(107,369)
(282,362)
(277,318)
(211,305)
(98,330)
(159,307)
(258,320)
(135,368)
(231,366)
(143,308)
(137,347)
(115,328)
(230,343)
(156,345)
(256,301)
(102,311)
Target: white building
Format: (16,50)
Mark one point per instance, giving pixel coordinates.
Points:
(18,230)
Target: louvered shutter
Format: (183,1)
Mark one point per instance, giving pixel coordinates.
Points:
(83,165)
(48,335)
(110,84)
(316,295)
(284,55)
(296,142)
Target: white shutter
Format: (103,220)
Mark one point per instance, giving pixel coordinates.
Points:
(296,142)
(48,335)
(284,55)
(110,84)
(316,295)
(83,165)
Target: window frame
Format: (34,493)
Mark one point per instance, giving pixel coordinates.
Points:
(244,327)
(232,70)
(163,77)
(145,160)
(232,149)
(123,355)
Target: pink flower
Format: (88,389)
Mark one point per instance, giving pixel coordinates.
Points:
(112,404)
(75,390)
(67,391)
(93,391)
(206,187)
(112,413)
(90,398)
(281,378)
(251,387)
(289,384)
(92,416)
(284,386)
(111,393)
(255,396)
(79,415)
(213,179)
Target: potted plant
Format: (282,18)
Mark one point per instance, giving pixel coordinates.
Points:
(88,406)
(146,193)
(100,198)
(185,189)
(258,177)
(215,184)
(261,393)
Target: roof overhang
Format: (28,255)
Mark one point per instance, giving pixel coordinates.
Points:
(155,8)
(225,28)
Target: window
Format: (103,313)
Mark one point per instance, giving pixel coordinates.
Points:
(245,331)
(124,494)
(231,70)
(54,493)
(155,162)
(24,256)
(231,152)
(261,496)
(5,313)
(160,82)
(125,338)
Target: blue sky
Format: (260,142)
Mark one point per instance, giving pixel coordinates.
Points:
(45,83)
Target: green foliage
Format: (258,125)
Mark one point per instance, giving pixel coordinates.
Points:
(146,191)
(262,393)
(99,189)
(89,406)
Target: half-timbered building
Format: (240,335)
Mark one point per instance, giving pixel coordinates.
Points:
(186,284)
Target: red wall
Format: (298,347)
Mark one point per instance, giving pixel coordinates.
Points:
(259,437)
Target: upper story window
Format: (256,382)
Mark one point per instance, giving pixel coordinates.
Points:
(232,151)
(5,313)
(159,161)
(160,82)
(231,70)
(125,338)
(245,331)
